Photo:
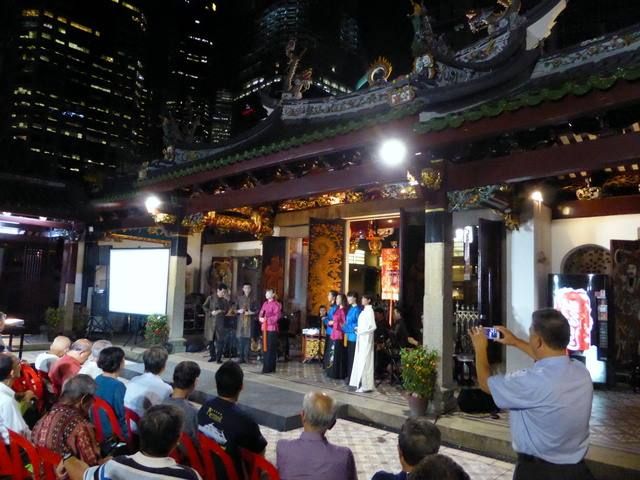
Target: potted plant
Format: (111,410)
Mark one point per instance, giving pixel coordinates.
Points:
(156,331)
(419,374)
(54,318)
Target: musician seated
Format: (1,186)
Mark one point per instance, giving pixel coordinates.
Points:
(400,331)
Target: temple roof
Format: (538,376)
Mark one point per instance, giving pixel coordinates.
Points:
(594,65)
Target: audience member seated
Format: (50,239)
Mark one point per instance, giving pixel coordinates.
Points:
(69,364)
(10,413)
(222,420)
(439,467)
(159,434)
(185,377)
(311,456)
(148,389)
(90,367)
(66,429)
(109,388)
(418,438)
(57,349)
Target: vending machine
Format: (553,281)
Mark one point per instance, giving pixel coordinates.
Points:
(583,300)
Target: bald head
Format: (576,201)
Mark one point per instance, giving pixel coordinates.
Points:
(318,411)
(60,345)
(80,350)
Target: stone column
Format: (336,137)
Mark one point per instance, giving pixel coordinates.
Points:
(528,266)
(67,282)
(438,309)
(194,249)
(176,292)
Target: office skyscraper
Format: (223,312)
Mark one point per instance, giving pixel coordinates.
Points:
(73,87)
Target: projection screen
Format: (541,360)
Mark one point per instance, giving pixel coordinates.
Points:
(138,280)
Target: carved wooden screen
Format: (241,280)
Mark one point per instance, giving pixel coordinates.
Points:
(273,262)
(326,261)
(626,297)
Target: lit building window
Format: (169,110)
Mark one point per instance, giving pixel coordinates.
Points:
(75,46)
(130,7)
(48,14)
(62,19)
(107,58)
(81,27)
(62,30)
(31,13)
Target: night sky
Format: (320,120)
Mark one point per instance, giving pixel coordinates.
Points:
(385,28)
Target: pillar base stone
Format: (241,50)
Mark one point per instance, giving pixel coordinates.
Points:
(178,345)
(443,401)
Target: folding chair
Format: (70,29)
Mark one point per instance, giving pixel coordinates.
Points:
(186,454)
(100,405)
(210,449)
(257,465)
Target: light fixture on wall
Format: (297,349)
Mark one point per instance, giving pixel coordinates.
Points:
(536,196)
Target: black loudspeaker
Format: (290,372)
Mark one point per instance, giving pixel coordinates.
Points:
(474,400)
(103,254)
(195,344)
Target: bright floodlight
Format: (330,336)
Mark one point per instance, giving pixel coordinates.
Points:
(393,152)
(152,203)
(537,196)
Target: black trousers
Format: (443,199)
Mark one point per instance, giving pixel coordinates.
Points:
(327,350)
(216,347)
(271,355)
(351,352)
(532,468)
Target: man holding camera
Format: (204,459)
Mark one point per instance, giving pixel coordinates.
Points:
(549,403)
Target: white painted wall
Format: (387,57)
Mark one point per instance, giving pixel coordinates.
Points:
(526,277)
(571,233)
(192,275)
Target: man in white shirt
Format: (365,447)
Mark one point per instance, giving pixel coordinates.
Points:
(58,348)
(148,389)
(9,408)
(90,367)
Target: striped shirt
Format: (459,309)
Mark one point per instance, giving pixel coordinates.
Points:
(140,467)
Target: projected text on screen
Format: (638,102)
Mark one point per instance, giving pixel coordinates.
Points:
(138,280)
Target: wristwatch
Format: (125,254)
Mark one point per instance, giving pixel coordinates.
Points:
(67,456)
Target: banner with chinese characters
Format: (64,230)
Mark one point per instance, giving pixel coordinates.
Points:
(390,267)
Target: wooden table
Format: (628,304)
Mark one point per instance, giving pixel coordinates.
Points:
(15,330)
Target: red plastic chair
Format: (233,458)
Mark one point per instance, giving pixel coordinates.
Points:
(30,380)
(100,405)
(257,465)
(131,418)
(50,461)
(186,454)
(7,467)
(210,448)
(18,443)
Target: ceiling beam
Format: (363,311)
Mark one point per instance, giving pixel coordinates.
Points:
(548,162)
(623,205)
(36,222)
(362,176)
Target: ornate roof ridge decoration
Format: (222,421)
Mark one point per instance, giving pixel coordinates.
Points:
(285,144)
(530,98)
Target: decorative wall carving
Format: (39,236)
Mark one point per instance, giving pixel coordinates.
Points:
(326,260)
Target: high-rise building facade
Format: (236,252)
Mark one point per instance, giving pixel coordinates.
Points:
(221,120)
(325,30)
(73,87)
(191,94)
